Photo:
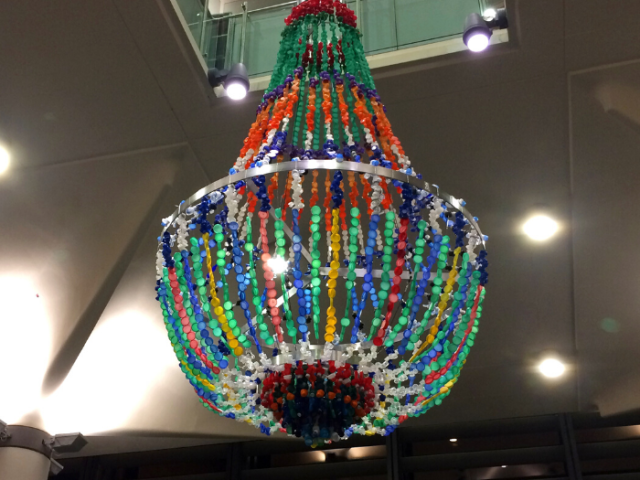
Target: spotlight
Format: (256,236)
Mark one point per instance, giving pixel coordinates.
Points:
(5,159)
(490,14)
(67,443)
(235,81)
(4,434)
(551,368)
(453,440)
(277,265)
(540,227)
(476,33)
(478,30)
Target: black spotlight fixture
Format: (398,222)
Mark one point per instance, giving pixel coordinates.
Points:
(235,80)
(478,30)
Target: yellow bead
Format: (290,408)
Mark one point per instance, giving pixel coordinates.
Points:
(332,321)
(335,265)
(331,312)
(237,351)
(218,310)
(331,292)
(330,329)
(335,238)
(332,283)
(233,343)
(333,274)
(430,338)
(433,331)
(328,337)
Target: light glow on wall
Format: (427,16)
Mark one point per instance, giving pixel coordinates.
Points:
(25,347)
(123,358)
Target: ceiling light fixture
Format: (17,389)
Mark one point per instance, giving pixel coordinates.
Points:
(235,80)
(219,252)
(540,227)
(5,159)
(551,368)
(478,30)
(453,440)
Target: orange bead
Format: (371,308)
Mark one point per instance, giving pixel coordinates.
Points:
(354,403)
(320,393)
(274,406)
(331,395)
(303,392)
(290,396)
(347,399)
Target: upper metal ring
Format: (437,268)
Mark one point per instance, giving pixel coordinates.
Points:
(326,165)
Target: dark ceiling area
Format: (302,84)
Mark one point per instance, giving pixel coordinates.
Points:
(111,123)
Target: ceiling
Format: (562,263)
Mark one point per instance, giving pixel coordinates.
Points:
(107,112)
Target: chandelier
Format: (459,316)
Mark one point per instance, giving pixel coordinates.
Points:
(322,288)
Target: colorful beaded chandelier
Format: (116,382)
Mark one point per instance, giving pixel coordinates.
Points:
(321,329)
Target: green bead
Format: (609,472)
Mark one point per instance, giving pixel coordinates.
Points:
(217,228)
(348,284)
(417,259)
(345,322)
(355,222)
(316,210)
(315,218)
(355,212)
(314,227)
(390,216)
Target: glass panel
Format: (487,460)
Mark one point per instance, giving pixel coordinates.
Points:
(426,21)
(386,25)
(223,39)
(192,12)
(378,23)
(264,28)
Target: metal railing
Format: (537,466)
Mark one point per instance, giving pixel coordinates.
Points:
(253,36)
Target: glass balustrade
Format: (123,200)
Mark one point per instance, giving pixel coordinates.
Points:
(386,25)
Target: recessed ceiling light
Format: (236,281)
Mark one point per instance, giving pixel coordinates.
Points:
(504,466)
(453,440)
(551,368)
(540,227)
(5,159)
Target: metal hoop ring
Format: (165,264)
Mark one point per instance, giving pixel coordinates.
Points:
(272,168)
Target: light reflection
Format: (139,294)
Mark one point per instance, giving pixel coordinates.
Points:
(120,362)
(25,347)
